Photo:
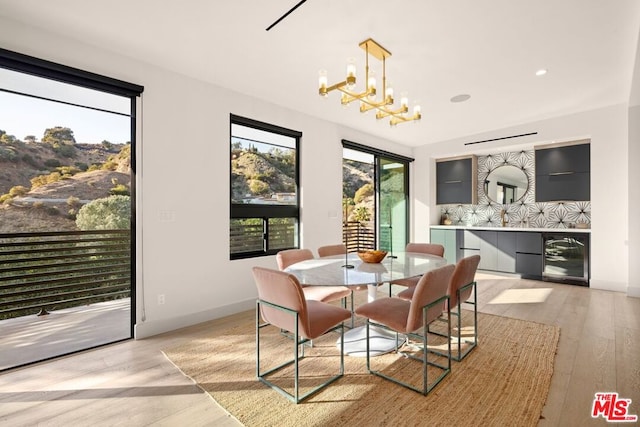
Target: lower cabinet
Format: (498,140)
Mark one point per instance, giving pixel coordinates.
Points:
(529,265)
(488,250)
(529,254)
(507,251)
(504,251)
(448,239)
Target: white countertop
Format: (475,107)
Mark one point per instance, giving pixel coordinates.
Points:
(540,230)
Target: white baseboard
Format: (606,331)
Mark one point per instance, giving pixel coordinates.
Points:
(606,285)
(633,291)
(155,327)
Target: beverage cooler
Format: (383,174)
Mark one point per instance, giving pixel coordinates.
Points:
(566,258)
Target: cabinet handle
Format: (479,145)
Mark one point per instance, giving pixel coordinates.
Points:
(453,182)
(561,173)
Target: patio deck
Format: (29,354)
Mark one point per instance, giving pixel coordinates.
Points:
(33,338)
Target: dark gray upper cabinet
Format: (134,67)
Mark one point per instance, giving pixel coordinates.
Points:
(563,173)
(558,160)
(456,181)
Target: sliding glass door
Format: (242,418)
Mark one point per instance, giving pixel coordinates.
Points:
(67,260)
(375,198)
(393,202)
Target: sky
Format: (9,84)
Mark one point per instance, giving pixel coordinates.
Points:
(22,115)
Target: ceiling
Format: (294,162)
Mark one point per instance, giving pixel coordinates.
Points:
(489,49)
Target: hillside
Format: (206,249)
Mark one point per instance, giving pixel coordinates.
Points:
(52,205)
(260,175)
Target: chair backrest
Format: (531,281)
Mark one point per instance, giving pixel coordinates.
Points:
(426,248)
(464,274)
(332,250)
(430,287)
(291,256)
(283,289)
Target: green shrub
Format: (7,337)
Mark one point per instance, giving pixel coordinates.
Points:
(52,210)
(6,199)
(67,170)
(41,180)
(52,163)
(120,189)
(110,213)
(18,191)
(73,201)
(30,161)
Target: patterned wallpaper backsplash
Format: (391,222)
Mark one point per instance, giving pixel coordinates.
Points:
(524,212)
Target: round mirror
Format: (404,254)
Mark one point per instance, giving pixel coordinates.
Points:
(506,184)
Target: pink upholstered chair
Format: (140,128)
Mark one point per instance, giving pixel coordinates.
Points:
(423,248)
(341,249)
(281,303)
(317,293)
(461,286)
(413,318)
(331,250)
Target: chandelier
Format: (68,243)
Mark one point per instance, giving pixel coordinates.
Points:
(368,100)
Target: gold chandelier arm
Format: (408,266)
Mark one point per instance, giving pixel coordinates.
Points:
(368,105)
(351,96)
(385,112)
(402,119)
(323,90)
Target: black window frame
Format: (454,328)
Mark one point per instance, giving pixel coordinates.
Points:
(38,67)
(265,212)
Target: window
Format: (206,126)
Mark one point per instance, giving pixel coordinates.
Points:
(265,202)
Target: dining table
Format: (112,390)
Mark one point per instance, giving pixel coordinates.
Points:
(349,270)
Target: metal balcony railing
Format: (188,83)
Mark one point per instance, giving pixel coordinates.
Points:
(358,236)
(41,272)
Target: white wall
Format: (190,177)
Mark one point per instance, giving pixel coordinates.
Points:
(608,130)
(184,173)
(634,201)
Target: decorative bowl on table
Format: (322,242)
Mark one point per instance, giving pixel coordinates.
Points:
(372,256)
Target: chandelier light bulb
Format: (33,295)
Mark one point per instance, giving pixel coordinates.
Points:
(417,112)
(389,95)
(351,73)
(371,84)
(404,101)
(322,83)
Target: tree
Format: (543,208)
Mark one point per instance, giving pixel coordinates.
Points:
(110,213)
(58,136)
(107,145)
(362,214)
(5,138)
(363,192)
(30,139)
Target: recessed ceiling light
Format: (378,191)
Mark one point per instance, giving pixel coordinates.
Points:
(541,72)
(460,98)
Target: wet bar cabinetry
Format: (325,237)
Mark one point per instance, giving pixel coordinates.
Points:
(563,173)
(456,180)
(508,250)
(446,238)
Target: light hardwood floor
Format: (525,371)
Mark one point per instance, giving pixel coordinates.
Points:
(133,384)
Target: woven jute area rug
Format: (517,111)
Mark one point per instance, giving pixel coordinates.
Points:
(503,381)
